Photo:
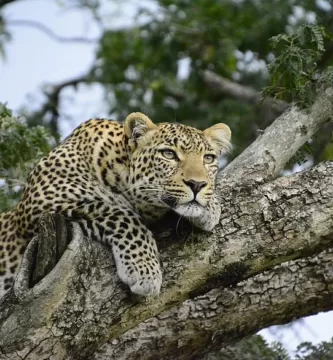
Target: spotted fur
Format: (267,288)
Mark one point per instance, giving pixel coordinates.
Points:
(114,179)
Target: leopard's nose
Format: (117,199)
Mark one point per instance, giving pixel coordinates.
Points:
(195,186)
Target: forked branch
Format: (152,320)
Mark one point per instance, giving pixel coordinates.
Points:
(268,262)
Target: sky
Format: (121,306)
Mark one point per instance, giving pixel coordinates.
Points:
(34,60)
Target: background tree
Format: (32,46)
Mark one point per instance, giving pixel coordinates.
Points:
(181,60)
(160,65)
(256,347)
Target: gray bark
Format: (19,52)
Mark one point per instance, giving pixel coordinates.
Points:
(267,262)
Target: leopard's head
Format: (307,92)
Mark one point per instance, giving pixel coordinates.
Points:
(173,166)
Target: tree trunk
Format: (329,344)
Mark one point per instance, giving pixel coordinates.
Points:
(268,262)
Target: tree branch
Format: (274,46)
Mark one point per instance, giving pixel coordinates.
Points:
(51,106)
(247,94)
(83,311)
(53,98)
(47,31)
(266,257)
(6,2)
(81,306)
(288,291)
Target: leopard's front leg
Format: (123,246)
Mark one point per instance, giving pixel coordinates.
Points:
(133,246)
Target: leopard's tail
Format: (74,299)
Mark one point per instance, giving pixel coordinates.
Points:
(12,246)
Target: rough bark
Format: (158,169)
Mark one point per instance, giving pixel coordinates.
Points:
(267,262)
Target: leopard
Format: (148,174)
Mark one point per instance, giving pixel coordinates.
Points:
(115,179)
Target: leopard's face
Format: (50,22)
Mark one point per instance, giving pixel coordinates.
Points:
(174,166)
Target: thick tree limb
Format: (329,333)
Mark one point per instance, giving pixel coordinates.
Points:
(267,262)
(81,307)
(292,289)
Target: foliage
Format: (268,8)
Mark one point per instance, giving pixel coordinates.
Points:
(157,65)
(302,155)
(252,348)
(308,351)
(294,70)
(20,147)
(257,348)
(327,153)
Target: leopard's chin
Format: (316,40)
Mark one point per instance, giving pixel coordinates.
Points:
(189,210)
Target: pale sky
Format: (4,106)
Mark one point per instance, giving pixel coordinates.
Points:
(33,60)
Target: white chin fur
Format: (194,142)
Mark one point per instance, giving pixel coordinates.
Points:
(189,210)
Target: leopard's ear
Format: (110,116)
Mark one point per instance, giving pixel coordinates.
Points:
(137,125)
(219,136)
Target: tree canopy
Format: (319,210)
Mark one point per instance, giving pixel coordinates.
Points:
(165,64)
(158,65)
(256,347)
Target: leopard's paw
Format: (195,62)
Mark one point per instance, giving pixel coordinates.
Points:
(147,285)
(143,278)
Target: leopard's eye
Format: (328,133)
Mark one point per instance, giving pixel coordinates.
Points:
(209,158)
(169,154)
